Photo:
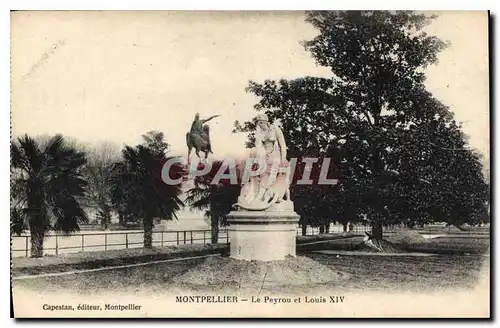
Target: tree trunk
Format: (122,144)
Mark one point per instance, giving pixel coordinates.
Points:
(377,231)
(37,244)
(304,229)
(344,226)
(377,169)
(214,221)
(37,222)
(327,228)
(321,229)
(148,233)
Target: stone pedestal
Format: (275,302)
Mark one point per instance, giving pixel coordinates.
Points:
(263,235)
(262,258)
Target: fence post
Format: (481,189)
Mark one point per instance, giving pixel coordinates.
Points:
(26,246)
(105,242)
(126,240)
(184,237)
(177,233)
(191,236)
(57,246)
(162,239)
(83,236)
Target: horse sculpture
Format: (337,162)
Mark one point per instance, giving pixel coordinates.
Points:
(199,137)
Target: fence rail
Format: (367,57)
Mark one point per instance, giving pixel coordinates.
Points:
(57,244)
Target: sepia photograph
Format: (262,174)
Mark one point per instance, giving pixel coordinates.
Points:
(250,164)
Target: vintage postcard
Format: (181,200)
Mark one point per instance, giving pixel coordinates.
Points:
(250,164)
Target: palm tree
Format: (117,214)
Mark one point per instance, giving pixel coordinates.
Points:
(46,186)
(138,190)
(215,199)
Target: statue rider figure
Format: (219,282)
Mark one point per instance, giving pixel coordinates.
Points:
(199,136)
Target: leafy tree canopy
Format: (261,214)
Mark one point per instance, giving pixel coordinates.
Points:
(394,143)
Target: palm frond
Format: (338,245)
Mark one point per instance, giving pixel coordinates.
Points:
(55,146)
(16,157)
(68,214)
(17,221)
(198,198)
(30,154)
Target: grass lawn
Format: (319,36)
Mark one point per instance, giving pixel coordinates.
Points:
(387,273)
(450,244)
(410,273)
(455,264)
(446,245)
(94,259)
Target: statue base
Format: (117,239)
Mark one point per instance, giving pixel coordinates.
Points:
(268,235)
(228,275)
(262,257)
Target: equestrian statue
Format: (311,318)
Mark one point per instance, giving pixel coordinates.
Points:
(199,136)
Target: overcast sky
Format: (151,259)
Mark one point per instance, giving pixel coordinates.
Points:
(112,76)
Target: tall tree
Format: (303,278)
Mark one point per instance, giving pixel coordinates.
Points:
(449,185)
(154,140)
(368,112)
(315,202)
(215,198)
(97,171)
(137,188)
(46,184)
